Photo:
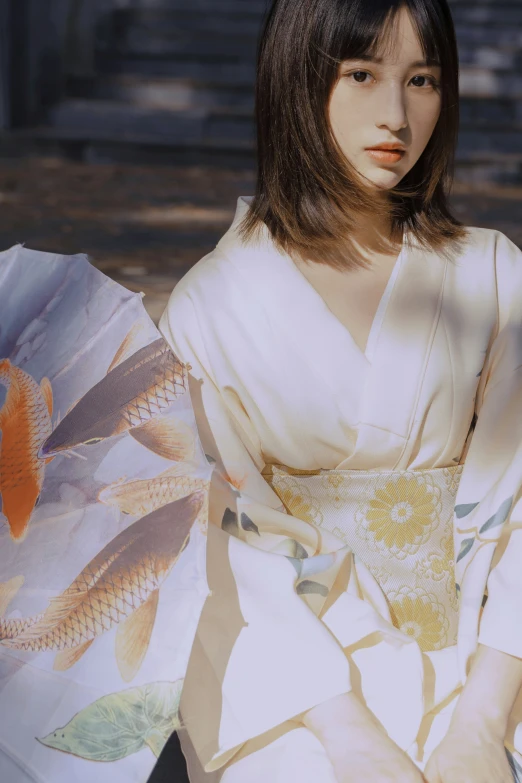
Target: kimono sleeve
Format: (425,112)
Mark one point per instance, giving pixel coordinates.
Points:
(489,501)
(261,656)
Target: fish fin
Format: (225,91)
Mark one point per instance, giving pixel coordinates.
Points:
(12,402)
(47,391)
(58,610)
(8,590)
(67,658)
(127,348)
(133,637)
(167,436)
(175,471)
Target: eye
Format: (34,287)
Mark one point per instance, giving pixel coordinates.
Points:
(425,81)
(359,76)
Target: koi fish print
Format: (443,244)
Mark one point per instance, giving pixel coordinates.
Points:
(120,586)
(141,496)
(25,423)
(131,398)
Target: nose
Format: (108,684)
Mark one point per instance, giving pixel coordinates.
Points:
(392,112)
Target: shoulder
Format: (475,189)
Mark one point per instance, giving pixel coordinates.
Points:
(489,241)
(207,278)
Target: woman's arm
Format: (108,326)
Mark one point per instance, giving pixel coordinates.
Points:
(473,749)
(493,683)
(357,744)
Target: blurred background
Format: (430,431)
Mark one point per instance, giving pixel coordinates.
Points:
(126,127)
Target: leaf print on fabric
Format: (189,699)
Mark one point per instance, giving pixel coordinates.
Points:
(402,514)
(500,515)
(420,615)
(309,586)
(463,509)
(117,725)
(465,547)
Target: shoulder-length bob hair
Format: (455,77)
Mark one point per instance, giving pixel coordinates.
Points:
(307,194)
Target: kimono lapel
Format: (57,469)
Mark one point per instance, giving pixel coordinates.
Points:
(377,398)
(400,356)
(301,315)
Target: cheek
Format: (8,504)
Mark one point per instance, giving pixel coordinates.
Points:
(423,120)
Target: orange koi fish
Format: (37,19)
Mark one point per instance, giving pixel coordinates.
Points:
(25,422)
(133,397)
(120,586)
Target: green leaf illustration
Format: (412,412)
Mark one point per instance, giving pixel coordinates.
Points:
(465,547)
(117,725)
(308,586)
(463,509)
(499,517)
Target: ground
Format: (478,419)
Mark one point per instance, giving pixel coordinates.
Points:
(145,226)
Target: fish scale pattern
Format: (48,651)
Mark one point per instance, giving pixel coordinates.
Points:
(170,383)
(115,596)
(33,425)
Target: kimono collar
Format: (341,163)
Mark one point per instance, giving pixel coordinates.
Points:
(381,395)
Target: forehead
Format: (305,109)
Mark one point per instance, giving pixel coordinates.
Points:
(398,41)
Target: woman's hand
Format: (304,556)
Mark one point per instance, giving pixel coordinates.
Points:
(358,745)
(473,749)
(471,753)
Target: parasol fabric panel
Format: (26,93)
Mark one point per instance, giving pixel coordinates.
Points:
(104,489)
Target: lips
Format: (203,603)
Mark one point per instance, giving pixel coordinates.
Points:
(389,146)
(386,153)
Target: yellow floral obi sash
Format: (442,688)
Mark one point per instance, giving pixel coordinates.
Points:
(400,525)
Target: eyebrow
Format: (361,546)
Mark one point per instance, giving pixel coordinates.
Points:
(417,64)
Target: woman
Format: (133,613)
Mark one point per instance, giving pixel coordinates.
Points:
(356,367)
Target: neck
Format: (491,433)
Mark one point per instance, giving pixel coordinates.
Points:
(374,236)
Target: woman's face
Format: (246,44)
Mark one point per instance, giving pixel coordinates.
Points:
(391,100)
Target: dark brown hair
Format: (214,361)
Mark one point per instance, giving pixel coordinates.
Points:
(307,194)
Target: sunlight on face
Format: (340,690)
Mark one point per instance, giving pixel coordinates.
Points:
(394,100)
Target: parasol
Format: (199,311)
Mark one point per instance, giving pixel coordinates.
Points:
(104,493)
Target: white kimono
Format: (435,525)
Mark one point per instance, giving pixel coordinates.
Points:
(295,613)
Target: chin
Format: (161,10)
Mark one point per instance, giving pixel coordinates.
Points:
(381,178)
(385,180)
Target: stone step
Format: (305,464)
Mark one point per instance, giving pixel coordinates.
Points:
(170,93)
(177,42)
(481,144)
(110,120)
(490,83)
(497,170)
(193,18)
(248,7)
(216,71)
(496,112)
(506,39)
(491,57)
(496,15)
(194,34)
